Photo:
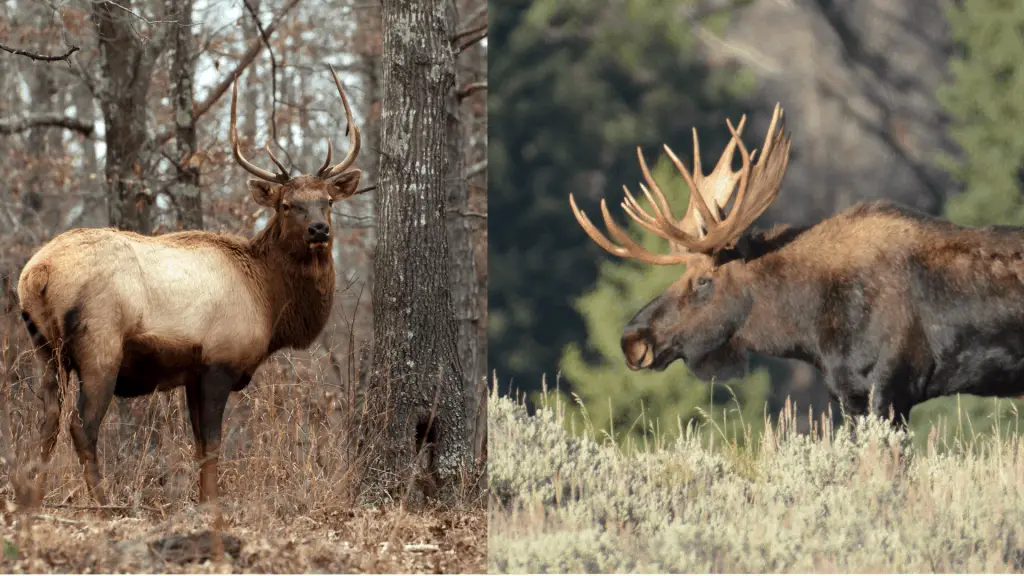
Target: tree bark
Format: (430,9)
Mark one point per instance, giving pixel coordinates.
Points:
(127,65)
(462,264)
(185,189)
(416,387)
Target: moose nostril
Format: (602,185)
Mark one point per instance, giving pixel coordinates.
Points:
(638,349)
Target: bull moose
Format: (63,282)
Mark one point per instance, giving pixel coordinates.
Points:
(893,306)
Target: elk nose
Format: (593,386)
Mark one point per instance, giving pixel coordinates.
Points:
(319,230)
(638,348)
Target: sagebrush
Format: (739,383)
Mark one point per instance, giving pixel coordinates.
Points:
(859,497)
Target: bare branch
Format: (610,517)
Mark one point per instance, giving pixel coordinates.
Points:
(41,57)
(273,79)
(467,38)
(470,88)
(477,168)
(468,213)
(254,49)
(16,125)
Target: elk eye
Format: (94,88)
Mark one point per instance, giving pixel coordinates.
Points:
(330,202)
(285,207)
(703,283)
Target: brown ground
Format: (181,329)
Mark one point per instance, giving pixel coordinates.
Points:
(362,540)
(288,480)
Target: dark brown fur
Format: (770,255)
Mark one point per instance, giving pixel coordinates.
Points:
(887,302)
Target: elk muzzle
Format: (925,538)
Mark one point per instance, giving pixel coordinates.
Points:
(318,233)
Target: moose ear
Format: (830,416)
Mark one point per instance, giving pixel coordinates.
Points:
(345,185)
(264,193)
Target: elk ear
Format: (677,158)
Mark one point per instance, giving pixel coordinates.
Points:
(345,185)
(264,193)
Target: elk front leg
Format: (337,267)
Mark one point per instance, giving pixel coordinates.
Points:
(207,396)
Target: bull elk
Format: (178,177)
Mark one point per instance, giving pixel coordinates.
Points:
(893,306)
(131,314)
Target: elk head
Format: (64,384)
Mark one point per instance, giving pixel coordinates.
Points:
(302,203)
(696,318)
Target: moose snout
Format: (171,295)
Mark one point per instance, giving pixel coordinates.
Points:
(319,232)
(638,348)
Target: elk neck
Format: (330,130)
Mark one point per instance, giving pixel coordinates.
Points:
(298,288)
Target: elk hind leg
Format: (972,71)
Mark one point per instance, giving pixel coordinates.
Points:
(53,371)
(97,378)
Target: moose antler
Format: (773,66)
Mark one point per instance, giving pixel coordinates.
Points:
(703,230)
(327,171)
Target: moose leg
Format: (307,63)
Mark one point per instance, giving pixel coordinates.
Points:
(889,404)
(890,380)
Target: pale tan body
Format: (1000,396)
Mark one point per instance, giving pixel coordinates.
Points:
(166,294)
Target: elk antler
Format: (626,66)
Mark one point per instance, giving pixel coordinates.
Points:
(280,177)
(327,171)
(703,230)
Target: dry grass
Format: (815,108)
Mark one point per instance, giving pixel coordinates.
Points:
(289,478)
(855,499)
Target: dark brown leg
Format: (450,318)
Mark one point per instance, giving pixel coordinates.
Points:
(94,395)
(49,392)
(207,397)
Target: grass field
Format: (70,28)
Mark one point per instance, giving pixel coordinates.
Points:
(288,478)
(860,498)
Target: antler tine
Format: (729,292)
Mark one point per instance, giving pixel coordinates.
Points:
(280,166)
(650,223)
(631,249)
(722,196)
(691,218)
(327,163)
(759,183)
(672,225)
(236,150)
(351,130)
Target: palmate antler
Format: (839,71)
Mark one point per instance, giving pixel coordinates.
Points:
(325,172)
(704,229)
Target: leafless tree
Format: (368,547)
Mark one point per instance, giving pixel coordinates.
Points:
(417,377)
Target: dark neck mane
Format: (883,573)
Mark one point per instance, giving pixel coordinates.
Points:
(299,292)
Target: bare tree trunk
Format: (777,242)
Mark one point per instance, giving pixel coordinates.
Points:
(186,187)
(126,64)
(43,91)
(462,264)
(476,61)
(416,381)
